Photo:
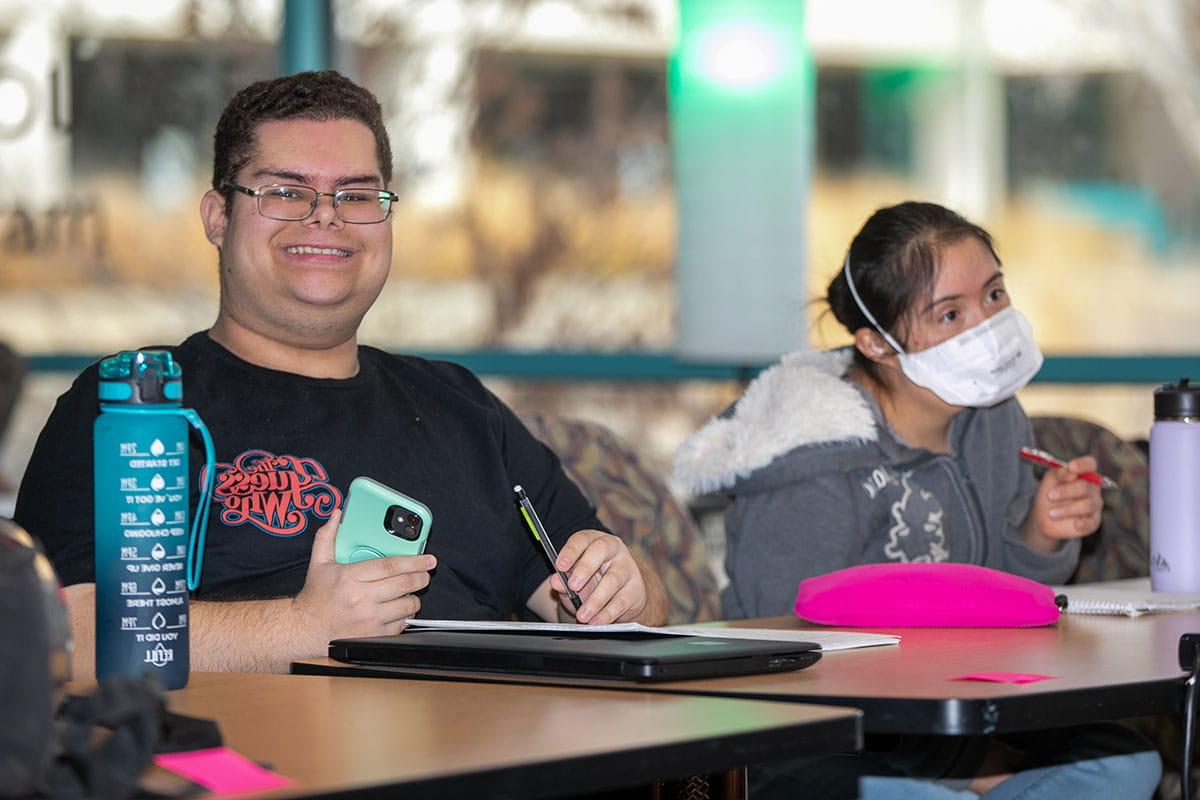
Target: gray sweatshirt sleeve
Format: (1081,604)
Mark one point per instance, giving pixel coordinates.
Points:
(777,538)
(1019,558)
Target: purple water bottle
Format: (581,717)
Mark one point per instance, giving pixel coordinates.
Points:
(1175,489)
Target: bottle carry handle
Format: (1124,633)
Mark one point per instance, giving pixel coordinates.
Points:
(195,555)
(195,551)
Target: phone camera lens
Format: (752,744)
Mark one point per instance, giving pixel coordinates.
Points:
(403,523)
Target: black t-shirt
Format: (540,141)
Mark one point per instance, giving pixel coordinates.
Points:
(429,429)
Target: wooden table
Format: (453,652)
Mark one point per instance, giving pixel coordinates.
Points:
(1104,668)
(363,737)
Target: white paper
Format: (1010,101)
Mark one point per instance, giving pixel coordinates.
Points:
(1130,598)
(828,641)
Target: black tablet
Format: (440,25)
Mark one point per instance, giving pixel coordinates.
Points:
(615,656)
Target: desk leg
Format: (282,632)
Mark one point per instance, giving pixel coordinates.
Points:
(1189,659)
(734,785)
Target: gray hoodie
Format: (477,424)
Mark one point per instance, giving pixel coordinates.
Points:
(820,481)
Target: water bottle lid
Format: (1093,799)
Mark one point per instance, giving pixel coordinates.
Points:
(1177,400)
(141,376)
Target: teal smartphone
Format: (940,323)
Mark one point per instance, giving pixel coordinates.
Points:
(378,522)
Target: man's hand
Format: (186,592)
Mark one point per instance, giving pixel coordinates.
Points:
(613,585)
(368,598)
(1065,507)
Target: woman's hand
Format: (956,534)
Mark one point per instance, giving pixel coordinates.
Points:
(1065,507)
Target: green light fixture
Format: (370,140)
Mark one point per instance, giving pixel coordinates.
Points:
(739,56)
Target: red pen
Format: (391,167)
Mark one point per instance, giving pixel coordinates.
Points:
(1047,460)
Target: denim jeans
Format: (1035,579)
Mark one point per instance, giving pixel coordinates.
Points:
(1134,775)
(1089,761)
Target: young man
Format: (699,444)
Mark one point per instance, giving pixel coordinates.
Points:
(299,213)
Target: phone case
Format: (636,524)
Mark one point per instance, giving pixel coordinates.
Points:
(378,521)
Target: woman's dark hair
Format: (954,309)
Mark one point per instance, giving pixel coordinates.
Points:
(319,96)
(893,261)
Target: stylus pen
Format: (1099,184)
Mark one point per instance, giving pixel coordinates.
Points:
(1047,460)
(539,532)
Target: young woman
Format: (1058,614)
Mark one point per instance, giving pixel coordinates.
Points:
(903,448)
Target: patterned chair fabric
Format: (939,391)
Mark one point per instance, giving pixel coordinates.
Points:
(12,376)
(1120,548)
(636,505)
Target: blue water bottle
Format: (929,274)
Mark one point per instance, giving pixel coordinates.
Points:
(146,560)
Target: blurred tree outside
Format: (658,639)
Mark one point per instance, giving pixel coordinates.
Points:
(533,160)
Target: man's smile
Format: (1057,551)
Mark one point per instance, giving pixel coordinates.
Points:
(308,251)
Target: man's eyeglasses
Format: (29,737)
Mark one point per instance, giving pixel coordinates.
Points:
(291,203)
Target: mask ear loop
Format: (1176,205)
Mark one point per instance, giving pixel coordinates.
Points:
(863,308)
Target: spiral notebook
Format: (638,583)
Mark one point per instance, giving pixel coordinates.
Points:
(1129,598)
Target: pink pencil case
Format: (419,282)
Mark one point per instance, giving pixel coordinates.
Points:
(926,596)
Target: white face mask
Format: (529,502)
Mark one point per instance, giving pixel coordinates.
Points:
(979,367)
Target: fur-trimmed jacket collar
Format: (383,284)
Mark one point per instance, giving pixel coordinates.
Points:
(803,400)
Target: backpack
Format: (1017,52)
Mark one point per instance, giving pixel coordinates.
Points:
(34,661)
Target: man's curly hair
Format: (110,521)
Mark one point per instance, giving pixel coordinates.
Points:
(320,96)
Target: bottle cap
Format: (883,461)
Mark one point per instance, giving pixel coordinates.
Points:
(141,376)
(1177,400)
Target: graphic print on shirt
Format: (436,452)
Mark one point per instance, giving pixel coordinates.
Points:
(916,533)
(273,493)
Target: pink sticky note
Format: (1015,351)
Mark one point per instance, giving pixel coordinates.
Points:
(1005,677)
(221,770)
